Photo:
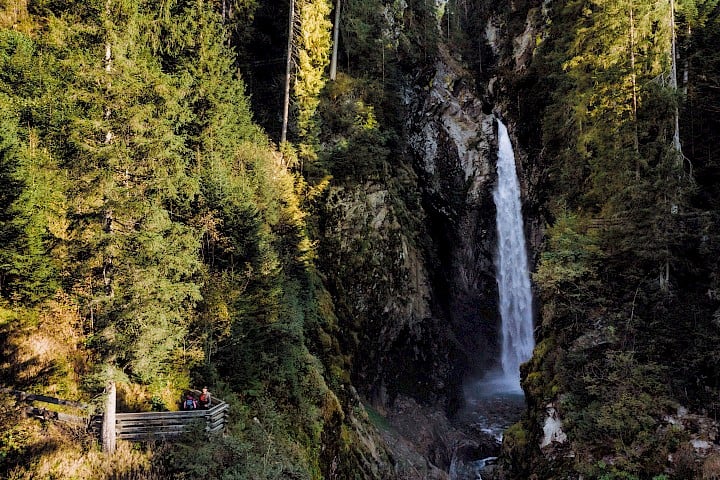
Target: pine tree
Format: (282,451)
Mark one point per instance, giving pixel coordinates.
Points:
(313,56)
(135,263)
(32,205)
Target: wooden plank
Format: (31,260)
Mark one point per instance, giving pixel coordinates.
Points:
(217,414)
(192,413)
(137,423)
(153,417)
(162,419)
(33,397)
(219,418)
(160,415)
(141,433)
(145,425)
(213,421)
(220,421)
(156,425)
(139,436)
(222,407)
(219,408)
(217,429)
(152,429)
(45,414)
(150,434)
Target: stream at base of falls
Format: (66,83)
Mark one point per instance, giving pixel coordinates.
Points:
(488,414)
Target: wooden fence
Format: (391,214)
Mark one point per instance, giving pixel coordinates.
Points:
(42,413)
(33,397)
(130,426)
(141,426)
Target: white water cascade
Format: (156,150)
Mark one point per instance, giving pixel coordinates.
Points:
(513,276)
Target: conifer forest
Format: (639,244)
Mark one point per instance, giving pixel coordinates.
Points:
(300,205)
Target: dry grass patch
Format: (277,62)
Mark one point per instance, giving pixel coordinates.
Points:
(58,451)
(45,349)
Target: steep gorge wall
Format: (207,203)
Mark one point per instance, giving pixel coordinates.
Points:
(452,143)
(409,258)
(604,387)
(426,321)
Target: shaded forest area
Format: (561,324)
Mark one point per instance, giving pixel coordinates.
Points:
(627,280)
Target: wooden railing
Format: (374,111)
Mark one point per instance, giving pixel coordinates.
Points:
(130,426)
(141,426)
(45,414)
(33,397)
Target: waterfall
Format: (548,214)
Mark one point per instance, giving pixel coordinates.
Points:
(513,277)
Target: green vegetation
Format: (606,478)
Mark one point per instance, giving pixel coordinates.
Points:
(152,235)
(623,276)
(150,220)
(313,56)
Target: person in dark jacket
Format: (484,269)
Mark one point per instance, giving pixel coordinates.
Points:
(189,403)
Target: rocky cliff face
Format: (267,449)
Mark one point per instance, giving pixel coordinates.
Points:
(451,138)
(413,257)
(421,302)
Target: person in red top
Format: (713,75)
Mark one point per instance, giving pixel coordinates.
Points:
(205,399)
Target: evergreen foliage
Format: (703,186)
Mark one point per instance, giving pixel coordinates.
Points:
(313,57)
(143,209)
(622,265)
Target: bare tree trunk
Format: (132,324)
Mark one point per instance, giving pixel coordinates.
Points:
(632,63)
(673,78)
(108,57)
(686,67)
(108,426)
(636,142)
(288,71)
(664,279)
(383,62)
(107,114)
(336,36)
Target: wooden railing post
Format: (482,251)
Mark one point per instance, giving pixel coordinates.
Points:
(108,426)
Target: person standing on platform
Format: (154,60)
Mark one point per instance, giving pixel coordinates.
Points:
(205,399)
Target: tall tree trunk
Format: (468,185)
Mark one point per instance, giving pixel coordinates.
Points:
(633,76)
(107,113)
(673,79)
(288,71)
(336,36)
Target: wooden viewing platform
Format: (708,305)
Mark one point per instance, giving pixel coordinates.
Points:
(131,426)
(144,425)
(148,425)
